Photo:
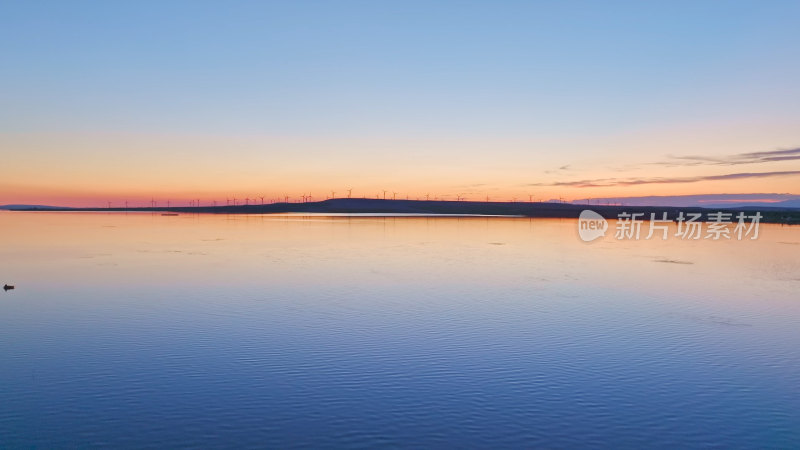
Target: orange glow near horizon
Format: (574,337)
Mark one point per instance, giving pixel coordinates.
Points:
(91,170)
(118,198)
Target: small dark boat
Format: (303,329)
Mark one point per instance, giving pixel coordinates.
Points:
(7,287)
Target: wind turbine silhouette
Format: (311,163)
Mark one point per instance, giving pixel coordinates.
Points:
(394,195)
(349,192)
(333,194)
(262,200)
(427,197)
(384,194)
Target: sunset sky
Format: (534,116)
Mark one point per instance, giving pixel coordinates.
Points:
(115,101)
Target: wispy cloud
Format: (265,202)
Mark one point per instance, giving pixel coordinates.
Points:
(732,160)
(608,182)
(560,169)
(702,200)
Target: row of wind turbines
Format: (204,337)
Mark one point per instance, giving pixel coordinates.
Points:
(384,195)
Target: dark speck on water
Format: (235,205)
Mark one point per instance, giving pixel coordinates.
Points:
(672,261)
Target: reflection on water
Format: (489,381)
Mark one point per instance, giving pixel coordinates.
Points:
(280,331)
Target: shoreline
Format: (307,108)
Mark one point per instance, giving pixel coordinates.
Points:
(412,208)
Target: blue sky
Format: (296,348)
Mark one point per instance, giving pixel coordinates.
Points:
(546,84)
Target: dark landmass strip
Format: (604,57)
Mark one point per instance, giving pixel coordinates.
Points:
(434,207)
(31,207)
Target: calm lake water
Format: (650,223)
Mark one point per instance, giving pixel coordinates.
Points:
(141,330)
